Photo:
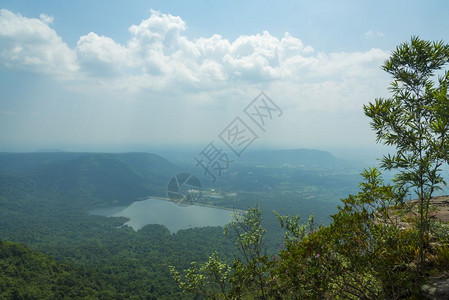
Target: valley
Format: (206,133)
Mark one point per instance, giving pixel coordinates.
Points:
(45,199)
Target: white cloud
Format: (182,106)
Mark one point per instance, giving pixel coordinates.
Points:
(162,57)
(46,19)
(100,55)
(31,44)
(373,34)
(157,31)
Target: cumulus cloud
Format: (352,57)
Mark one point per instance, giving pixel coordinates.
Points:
(160,31)
(101,56)
(159,56)
(31,44)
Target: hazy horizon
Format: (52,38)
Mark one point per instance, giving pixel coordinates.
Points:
(85,77)
(354,154)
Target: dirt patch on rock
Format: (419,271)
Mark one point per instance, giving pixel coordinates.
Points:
(439,207)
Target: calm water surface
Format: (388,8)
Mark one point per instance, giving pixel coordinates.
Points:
(167,213)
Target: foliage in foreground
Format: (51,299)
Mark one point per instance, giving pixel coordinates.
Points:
(415,120)
(364,254)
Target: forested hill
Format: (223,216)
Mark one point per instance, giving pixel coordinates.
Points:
(104,178)
(44,204)
(27,274)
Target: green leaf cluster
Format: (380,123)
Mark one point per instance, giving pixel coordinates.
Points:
(415,120)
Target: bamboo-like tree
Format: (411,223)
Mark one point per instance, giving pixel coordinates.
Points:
(415,120)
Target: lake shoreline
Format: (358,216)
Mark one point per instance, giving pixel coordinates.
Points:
(174,216)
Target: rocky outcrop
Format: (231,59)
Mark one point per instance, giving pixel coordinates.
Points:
(436,289)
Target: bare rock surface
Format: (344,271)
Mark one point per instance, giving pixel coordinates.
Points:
(436,289)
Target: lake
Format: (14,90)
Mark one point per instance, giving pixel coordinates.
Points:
(173,216)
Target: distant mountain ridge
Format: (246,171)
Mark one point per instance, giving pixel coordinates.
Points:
(97,178)
(105,179)
(305,157)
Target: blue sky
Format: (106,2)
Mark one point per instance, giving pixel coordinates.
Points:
(122,76)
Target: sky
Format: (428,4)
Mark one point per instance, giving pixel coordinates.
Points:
(137,75)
